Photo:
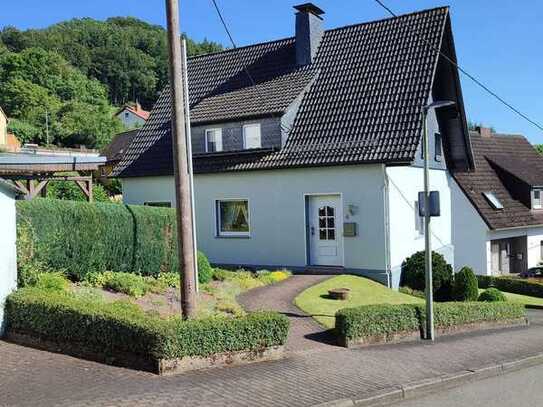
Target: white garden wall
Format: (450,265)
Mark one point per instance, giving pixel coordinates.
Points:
(8,259)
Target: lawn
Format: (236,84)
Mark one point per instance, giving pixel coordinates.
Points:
(523,299)
(316,303)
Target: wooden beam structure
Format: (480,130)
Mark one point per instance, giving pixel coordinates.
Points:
(33,185)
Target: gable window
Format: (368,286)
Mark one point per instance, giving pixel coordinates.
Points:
(213,140)
(251,136)
(536,199)
(438,147)
(233,217)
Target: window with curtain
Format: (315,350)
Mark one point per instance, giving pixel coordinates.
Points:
(233,217)
(251,136)
(213,140)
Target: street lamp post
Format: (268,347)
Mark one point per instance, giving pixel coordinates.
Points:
(427,228)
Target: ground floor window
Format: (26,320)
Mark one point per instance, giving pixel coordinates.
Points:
(162,204)
(233,217)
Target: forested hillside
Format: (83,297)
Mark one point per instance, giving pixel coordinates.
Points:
(74,74)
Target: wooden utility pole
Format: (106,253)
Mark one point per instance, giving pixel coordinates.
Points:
(183,198)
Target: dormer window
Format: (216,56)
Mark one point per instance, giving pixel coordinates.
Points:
(251,136)
(213,140)
(536,198)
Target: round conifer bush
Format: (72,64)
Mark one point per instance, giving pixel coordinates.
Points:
(413,275)
(492,294)
(465,286)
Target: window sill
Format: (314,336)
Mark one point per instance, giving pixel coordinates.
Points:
(232,236)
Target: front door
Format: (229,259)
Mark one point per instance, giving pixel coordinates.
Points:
(325,225)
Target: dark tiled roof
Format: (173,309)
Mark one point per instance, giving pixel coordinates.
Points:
(502,161)
(371,81)
(118,146)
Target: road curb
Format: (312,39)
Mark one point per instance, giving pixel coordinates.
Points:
(431,385)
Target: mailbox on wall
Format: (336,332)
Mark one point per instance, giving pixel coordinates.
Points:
(349,229)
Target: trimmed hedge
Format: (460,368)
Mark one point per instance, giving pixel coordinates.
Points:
(122,327)
(386,319)
(512,285)
(79,238)
(492,295)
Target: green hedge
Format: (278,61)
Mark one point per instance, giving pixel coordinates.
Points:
(122,327)
(80,237)
(512,285)
(374,320)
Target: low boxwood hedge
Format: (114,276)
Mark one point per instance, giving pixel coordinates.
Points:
(112,328)
(386,319)
(512,285)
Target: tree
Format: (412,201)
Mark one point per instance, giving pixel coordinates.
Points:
(539,148)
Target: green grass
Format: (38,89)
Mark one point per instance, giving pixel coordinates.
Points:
(521,299)
(314,300)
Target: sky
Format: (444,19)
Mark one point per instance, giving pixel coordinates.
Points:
(499,42)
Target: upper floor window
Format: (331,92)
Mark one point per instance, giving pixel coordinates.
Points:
(213,140)
(251,136)
(536,198)
(438,147)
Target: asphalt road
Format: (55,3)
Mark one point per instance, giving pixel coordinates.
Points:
(523,388)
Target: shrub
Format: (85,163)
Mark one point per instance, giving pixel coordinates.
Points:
(465,286)
(52,281)
(83,237)
(512,285)
(386,319)
(221,274)
(131,284)
(110,328)
(272,277)
(442,275)
(492,295)
(410,291)
(205,271)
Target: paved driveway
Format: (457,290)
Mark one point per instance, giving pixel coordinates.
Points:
(305,334)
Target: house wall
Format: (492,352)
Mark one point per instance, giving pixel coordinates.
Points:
(277,213)
(404,184)
(3,128)
(232,134)
(130,120)
(469,233)
(8,263)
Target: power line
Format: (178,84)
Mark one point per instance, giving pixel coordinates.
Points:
(466,73)
(253,83)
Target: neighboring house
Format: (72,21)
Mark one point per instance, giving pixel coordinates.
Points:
(498,221)
(8,254)
(8,141)
(115,150)
(317,163)
(132,115)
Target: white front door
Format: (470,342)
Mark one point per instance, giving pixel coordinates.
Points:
(325,223)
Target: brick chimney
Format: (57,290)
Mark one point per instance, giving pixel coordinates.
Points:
(309,31)
(485,131)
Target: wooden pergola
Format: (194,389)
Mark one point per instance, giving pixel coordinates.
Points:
(30,173)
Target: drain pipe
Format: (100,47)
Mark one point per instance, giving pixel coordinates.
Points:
(386,225)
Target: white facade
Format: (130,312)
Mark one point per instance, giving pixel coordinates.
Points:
(379,200)
(406,227)
(8,255)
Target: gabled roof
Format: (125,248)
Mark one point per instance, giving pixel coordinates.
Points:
(137,110)
(118,146)
(362,104)
(507,166)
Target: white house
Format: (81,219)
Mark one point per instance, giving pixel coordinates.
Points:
(498,216)
(315,162)
(132,115)
(8,264)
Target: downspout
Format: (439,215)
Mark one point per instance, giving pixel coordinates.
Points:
(386,225)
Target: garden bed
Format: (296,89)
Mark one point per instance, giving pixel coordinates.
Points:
(385,323)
